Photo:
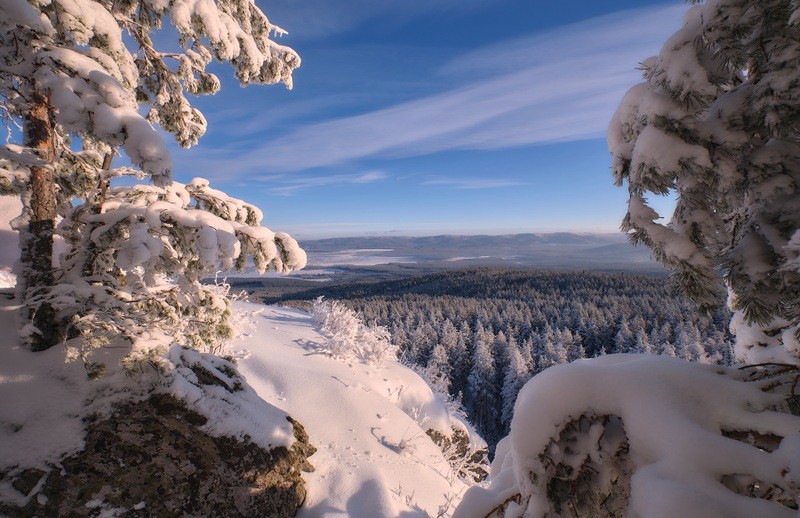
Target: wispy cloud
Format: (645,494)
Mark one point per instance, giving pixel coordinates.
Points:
(372,176)
(560,86)
(313,19)
(288,185)
(478,183)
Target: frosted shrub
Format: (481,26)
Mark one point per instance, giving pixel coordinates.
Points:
(339,325)
(348,337)
(374,345)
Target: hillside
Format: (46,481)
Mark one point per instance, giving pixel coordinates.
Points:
(368,424)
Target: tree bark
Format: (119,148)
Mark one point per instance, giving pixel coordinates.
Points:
(37,242)
(96,204)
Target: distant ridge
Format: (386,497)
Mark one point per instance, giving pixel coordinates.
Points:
(547,250)
(454,240)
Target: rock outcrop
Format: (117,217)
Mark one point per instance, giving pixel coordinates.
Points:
(150,458)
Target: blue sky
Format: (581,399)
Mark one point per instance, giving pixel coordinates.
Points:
(420,117)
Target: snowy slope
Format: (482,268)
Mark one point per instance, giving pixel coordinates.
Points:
(373,459)
(368,423)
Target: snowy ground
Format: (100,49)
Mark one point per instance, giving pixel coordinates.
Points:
(373,459)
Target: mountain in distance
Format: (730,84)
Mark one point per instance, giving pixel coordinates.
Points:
(547,250)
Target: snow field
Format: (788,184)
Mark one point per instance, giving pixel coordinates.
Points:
(374,458)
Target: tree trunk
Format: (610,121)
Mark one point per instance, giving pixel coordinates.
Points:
(37,242)
(96,204)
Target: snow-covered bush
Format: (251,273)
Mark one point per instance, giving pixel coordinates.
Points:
(715,123)
(347,337)
(638,435)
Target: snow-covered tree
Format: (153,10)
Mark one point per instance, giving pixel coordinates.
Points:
(460,360)
(483,401)
(134,267)
(624,340)
(715,124)
(516,375)
(80,79)
(642,343)
(438,370)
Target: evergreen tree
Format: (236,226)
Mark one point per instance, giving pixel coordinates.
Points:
(448,336)
(502,349)
(461,361)
(642,343)
(516,375)
(438,369)
(482,396)
(624,341)
(576,351)
(82,79)
(667,349)
(715,122)
(526,350)
(553,353)
(689,345)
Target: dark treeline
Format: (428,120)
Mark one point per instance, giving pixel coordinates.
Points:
(480,334)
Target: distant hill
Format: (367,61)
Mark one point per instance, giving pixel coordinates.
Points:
(552,250)
(515,241)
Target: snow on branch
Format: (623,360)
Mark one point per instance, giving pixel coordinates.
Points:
(714,124)
(135,263)
(96,64)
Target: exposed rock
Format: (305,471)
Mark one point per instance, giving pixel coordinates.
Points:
(151,459)
(470,464)
(26,481)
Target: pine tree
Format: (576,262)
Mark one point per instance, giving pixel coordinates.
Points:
(482,397)
(624,340)
(667,349)
(516,375)
(84,79)
(689,346)
(715,122)
(461,361)
(642,343)
(526,350)
(438,369)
